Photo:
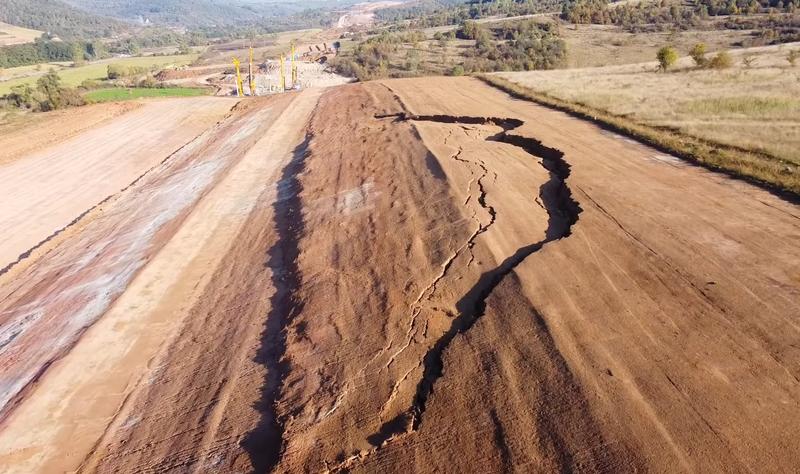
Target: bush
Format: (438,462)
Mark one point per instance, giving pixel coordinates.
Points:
(21,96)
(470,30)
(792,57)
(149,82)
(48,95)
(49,86)
(722,60)
(698,54)
(91,84)
(458,70)
(666,57)
(115,71)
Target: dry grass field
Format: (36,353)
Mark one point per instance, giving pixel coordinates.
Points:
(755,108)
(10,34)
(606,45)
(264,48)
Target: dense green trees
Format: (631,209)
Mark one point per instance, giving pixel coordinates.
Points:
(48,95)
(517,46)
(47,50)
(59,18)
(663,13)
(509,46)
(428,13)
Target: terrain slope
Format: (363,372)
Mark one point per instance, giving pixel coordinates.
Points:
(44,191)
(416,274)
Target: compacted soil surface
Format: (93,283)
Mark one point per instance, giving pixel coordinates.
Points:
(408,275)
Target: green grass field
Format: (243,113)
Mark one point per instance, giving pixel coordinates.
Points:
(74,76)
(119,93)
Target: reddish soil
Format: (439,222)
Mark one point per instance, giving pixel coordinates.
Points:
(410,275)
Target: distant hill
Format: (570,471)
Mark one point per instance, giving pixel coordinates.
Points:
(201,13)
(59,18)
(10,35)
(169,12)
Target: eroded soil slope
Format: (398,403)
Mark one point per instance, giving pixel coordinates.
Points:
(414,275)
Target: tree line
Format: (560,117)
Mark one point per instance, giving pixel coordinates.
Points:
(664,13)
(431,13)
(45,49)
(509,46)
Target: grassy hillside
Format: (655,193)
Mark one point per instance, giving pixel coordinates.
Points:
(11,35)
(59,18)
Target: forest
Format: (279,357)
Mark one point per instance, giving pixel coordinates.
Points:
(430,13)
(60,19)
(510,46)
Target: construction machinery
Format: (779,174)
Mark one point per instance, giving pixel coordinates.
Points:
(251,79)
(319,54)
(294,69)
(239,85)
(283,73)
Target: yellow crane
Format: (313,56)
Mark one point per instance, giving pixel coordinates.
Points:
(251,78)
(283,74)
(239,86)
(294,69)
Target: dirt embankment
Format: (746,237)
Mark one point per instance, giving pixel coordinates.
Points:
(590,349)
(32,132)
(47,190)
(421,275)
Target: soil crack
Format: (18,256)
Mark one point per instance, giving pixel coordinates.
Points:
(562,209)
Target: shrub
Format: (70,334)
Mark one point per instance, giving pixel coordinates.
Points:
(115,71)
(90,84)
(458,70)
(698,54)
(21,96)
(149,82)
(469,30)
(721,60)
(792,57)
(49,86)
(48,95)
(666,57)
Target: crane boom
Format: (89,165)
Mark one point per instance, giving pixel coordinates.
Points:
(239,86)
(251,79)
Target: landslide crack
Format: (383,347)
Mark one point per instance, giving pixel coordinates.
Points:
(562,209)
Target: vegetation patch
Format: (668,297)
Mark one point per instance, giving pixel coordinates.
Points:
(99,70)
(510,46)
(768,171)
(757,107)
(118,93)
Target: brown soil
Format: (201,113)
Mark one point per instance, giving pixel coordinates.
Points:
(46,190)
(412,275)
(32,132)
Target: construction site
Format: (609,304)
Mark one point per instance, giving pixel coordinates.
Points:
(303,273)
(291,71)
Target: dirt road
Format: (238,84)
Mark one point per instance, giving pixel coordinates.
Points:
(410,275)
(44,191)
